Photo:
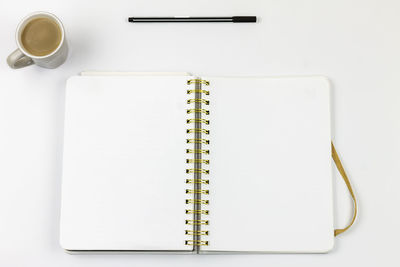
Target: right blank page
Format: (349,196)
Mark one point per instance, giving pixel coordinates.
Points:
(270,165)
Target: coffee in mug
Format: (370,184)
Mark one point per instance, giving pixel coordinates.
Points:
(41,40)
(41,36)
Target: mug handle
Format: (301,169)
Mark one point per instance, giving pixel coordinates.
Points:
(17,60)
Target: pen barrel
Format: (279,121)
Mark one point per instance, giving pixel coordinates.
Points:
(180,19)
(235,19)
(244,19)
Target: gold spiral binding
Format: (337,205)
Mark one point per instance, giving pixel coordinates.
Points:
(198,91)
(205,212)
(197,181)
(205,161)
(197,130)
(191,232)
(198,100)
(196,243)
(198,150)
(198,110)
(197,191)
(197,201)
(198,171)
(197,222)
(198,81)
(197,120)
(198,141)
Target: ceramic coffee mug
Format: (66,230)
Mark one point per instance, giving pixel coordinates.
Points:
(40,38)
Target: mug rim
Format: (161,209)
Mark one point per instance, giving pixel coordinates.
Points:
(27,18)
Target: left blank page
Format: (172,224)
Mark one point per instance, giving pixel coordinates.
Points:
(124,164)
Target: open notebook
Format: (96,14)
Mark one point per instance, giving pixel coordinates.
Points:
(178,163)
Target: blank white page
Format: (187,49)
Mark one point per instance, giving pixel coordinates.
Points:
(270,165)
(124,164)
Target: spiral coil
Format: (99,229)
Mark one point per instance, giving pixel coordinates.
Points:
(197,181)
(190,232)
(197,191)
(203,141)
(197,201)
(197,130)
(194,110)
(205,161)
(197,137)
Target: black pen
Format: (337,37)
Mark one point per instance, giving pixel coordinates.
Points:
(234,19)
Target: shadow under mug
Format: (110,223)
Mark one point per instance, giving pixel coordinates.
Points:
(21,58)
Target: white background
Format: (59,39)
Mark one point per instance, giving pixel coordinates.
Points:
(355,43)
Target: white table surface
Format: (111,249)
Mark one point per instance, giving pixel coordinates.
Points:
(355,43)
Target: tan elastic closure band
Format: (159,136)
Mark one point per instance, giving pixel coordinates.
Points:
(340,168)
